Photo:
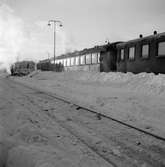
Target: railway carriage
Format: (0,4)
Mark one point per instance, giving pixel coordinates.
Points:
(44,65)
(85,60)
(22,68)
(142,55)
(99,58)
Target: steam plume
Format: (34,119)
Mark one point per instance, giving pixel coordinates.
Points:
(11,36)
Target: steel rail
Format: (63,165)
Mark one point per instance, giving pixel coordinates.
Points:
(93,149)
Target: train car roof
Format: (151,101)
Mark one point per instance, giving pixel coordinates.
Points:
(82,52)
(87,51)
(44,61)
(147,38)
(24,61)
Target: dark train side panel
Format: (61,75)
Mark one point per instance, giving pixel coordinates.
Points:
(153,63)
(108,58)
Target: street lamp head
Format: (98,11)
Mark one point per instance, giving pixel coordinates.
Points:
(49,24)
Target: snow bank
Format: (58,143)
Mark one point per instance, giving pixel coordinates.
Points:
(143,82)
(136,99)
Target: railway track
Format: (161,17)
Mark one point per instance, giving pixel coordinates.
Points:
(65,133)
(79,106)
(105,154)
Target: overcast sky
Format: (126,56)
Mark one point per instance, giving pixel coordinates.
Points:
(24,33)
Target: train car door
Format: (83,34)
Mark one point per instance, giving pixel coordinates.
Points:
(104,61)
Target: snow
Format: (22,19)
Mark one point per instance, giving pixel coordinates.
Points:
(136,99)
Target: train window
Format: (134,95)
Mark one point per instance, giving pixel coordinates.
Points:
(145,51)
(131,55)
(62,62)
(94,58)
(65,62)
(68,62)
(77,60)
(161,49)
(122,54)
(51,61)
(98,57)
(82,59)
(72,61)
(88,59)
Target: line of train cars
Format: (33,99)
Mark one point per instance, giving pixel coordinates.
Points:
(145,54)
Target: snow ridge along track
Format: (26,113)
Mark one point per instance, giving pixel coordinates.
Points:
(80,106)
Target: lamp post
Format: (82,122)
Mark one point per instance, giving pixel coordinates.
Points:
(54,22)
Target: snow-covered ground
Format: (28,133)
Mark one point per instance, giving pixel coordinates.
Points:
(137,99)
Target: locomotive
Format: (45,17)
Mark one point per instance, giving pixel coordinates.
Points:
(22,68)
(145,54)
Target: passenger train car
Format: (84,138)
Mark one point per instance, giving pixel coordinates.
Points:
(48,65)
(22,68)
(44,65)
(145,54)
(85,60)
(99,58)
